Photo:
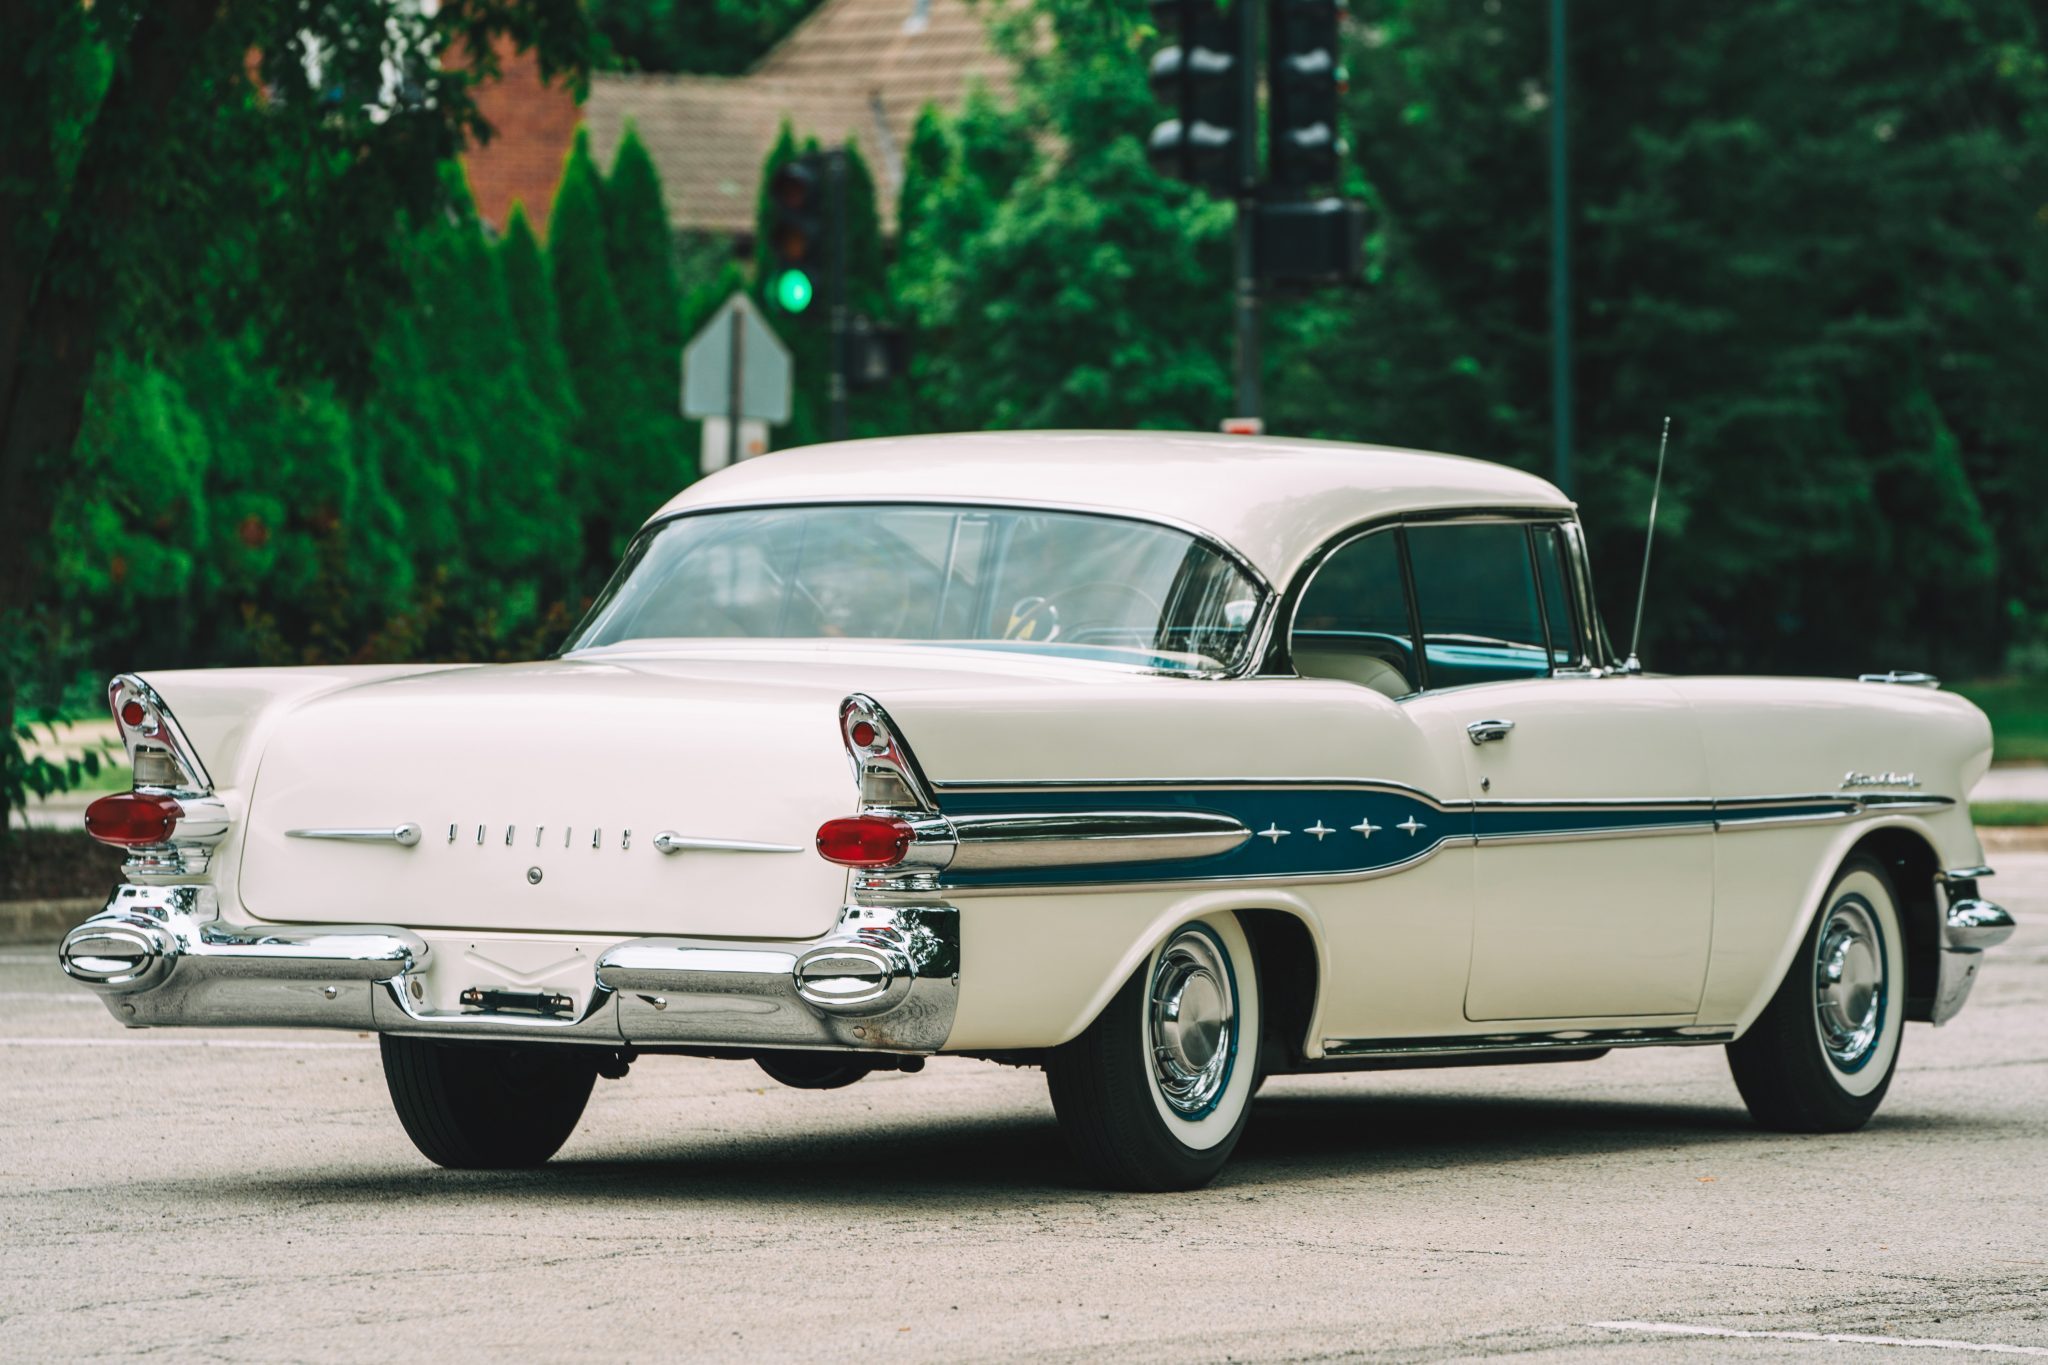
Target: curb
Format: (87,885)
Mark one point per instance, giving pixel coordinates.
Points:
(43,921)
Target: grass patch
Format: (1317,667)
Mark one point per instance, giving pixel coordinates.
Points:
(2006,814)
(2018,708)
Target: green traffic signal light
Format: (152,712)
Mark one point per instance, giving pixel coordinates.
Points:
(793,291)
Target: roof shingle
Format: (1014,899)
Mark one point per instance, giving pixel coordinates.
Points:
(859,69)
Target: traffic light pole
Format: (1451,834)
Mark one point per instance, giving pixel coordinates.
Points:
(835,201)
(1247,283)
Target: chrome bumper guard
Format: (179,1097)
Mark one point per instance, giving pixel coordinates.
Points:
(886,979)
(1969,925)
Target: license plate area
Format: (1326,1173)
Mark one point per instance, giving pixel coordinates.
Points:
(540,1004)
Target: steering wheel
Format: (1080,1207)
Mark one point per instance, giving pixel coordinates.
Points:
(1029,616)
(1033,614)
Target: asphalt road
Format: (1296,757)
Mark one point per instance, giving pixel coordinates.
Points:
(250,1196)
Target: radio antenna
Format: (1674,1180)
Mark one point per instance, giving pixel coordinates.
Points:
(1635,663)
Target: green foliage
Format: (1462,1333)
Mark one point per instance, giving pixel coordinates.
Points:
(530,295)
(213,180)
(633,463)
(1058,281)
(640,250)
(1805,232)
(2009,814)
(714,37)
(2018,710)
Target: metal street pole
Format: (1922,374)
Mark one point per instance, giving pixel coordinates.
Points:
(1560,261)
(1247,284)
(835,205)
(732,407)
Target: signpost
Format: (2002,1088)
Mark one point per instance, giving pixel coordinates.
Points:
(735,369)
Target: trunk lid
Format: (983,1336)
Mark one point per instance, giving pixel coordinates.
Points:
(539,791)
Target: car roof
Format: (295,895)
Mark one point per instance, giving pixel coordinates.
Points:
(1272,499)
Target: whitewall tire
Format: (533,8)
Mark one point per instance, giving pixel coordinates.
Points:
(1821,1056)
(1155,1093)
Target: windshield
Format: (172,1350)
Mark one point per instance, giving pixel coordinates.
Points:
(1041,582)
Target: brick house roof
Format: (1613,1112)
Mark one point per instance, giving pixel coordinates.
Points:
(533,126)
(859,69)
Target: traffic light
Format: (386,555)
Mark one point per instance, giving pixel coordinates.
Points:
(1308,242)
(796,235)
(1199,77)
(1304,78)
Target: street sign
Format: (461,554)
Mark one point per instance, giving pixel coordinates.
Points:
(718,452)
(736,362)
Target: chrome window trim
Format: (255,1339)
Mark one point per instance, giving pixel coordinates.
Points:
(1278,660)
(1256,638)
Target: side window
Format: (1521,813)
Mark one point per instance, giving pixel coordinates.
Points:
(1552,572)
(1353,619)
(1475,590)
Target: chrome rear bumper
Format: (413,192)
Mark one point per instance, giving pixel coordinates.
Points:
(886,979)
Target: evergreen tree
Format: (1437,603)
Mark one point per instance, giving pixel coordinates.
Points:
(640,249)
(517,548)
(628,469)
(530,294)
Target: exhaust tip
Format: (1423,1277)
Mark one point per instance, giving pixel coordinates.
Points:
(851,978)
(122,955)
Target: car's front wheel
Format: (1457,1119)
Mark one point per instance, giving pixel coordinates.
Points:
(1821,1056)
(1155,1093)
(487,1106)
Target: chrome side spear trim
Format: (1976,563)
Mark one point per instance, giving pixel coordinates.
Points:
(405,835)
(668,841)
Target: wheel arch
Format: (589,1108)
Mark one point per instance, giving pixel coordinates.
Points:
(1290,959)
(1909,850)
(1283,929)
(1913,865)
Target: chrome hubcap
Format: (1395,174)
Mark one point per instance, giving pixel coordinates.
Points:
(1193,1023)
(1849,982)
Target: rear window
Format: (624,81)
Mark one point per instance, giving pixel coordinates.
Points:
(1064,583)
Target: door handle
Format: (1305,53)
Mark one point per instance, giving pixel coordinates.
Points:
(1486,731)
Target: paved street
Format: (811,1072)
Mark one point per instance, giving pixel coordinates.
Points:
(250,1196)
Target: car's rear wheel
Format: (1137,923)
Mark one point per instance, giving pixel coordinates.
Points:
(487,1106)
(1155,1093)
(1821,1056)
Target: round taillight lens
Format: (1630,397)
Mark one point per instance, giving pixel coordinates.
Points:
(863,733)
(132,819)
(865,840)
(132,713)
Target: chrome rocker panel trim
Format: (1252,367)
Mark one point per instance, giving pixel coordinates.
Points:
(1563,1040)
(887,978)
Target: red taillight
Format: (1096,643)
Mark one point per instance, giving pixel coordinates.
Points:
(132,713)
(865,840)
(863,733)
(132,819)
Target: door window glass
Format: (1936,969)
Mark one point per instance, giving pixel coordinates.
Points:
(1553,569)
(1475,589)
(1353,619)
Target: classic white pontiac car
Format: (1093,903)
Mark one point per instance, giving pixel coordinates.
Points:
(1166,762)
